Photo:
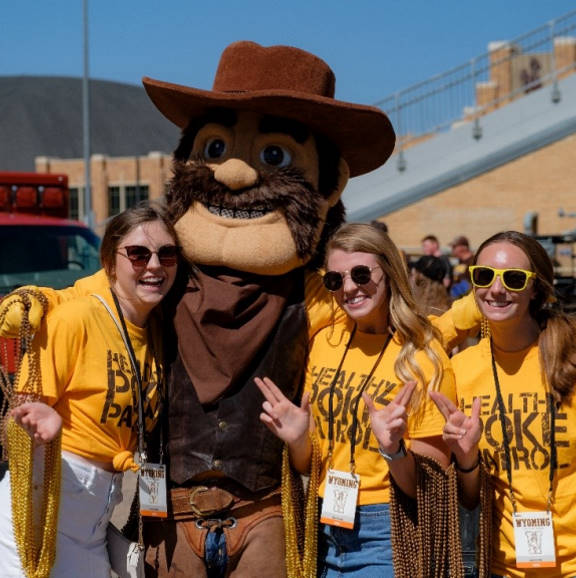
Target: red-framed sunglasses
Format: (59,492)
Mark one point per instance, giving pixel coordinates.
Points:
(139,255)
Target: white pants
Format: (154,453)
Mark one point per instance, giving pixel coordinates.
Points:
(88,497)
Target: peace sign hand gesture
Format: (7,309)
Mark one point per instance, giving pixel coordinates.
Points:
(461,432)
(284,418)
(389,423)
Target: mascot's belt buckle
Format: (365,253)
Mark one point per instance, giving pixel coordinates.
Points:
(205,501)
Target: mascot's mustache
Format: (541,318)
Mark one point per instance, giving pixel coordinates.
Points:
(284,189)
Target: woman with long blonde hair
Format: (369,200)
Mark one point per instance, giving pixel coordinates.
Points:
(366,391)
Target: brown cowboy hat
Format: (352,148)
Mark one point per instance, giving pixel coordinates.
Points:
(289,82)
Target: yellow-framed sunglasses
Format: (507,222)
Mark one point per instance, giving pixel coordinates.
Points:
(483,276)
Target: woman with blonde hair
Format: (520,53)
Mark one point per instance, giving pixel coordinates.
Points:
(366,393)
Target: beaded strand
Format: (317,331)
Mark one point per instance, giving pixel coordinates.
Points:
(34,531)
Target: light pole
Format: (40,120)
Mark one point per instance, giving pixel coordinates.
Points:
(88,217)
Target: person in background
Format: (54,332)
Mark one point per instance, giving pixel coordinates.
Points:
(431,246)
(89,388)
(511,433)
(366,391)
(427,275)
(460,282)
(380,225)
(460,250)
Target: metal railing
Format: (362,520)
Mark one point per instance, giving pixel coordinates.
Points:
(508,71)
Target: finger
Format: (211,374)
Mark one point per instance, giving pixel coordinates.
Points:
(264,388)
(454,432)
(305,403)
(26,421)
(446,407)
(369,402)
(396,425)
(261,384)
(275,391)
(269,409)
(268,422)
(405,393)
(265,418)
(475,415)
(19,411)
(395,412)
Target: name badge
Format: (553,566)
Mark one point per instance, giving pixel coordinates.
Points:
(534,538)
(340,498)
(152,490)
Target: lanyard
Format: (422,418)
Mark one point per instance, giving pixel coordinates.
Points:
(356,403)
(136,395)
(506,442)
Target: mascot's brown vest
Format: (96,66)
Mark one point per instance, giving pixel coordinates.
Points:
(227,435)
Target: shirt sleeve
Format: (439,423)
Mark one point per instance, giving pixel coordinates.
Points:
(462,320)
(320,305)
(57,347)
(428,421)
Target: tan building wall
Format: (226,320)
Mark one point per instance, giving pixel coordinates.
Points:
(543,181)
(152,171)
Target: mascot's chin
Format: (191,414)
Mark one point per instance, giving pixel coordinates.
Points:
(262,245)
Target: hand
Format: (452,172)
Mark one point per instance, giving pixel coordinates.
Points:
(12,311)
(41,421)
(284,418)
(389,423)
(461,432)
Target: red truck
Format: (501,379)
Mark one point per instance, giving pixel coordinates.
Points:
(39,245)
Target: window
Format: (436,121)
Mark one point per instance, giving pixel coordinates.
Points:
(122,197)
(113,201)
(49,256)
(135,194)
(74,203)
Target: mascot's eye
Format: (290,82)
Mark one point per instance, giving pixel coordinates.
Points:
(276,156)
(214,148)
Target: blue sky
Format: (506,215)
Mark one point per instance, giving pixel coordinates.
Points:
(375,47)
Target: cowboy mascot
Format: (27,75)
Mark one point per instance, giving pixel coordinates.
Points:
(258,174)
(257,179)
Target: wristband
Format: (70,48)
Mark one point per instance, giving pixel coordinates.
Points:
(401,453)
(465,470)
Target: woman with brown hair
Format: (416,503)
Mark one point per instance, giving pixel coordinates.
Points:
(101,383)
(512,434)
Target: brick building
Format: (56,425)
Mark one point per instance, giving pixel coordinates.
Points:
(508,162)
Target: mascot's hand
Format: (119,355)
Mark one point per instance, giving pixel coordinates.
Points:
(12,310)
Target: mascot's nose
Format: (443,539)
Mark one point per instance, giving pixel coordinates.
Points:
(235,174)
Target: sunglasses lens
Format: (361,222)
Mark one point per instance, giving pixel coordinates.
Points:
(138,255)
(332,280)
(168,255)
(361,274)
(482,277)
(515,280)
